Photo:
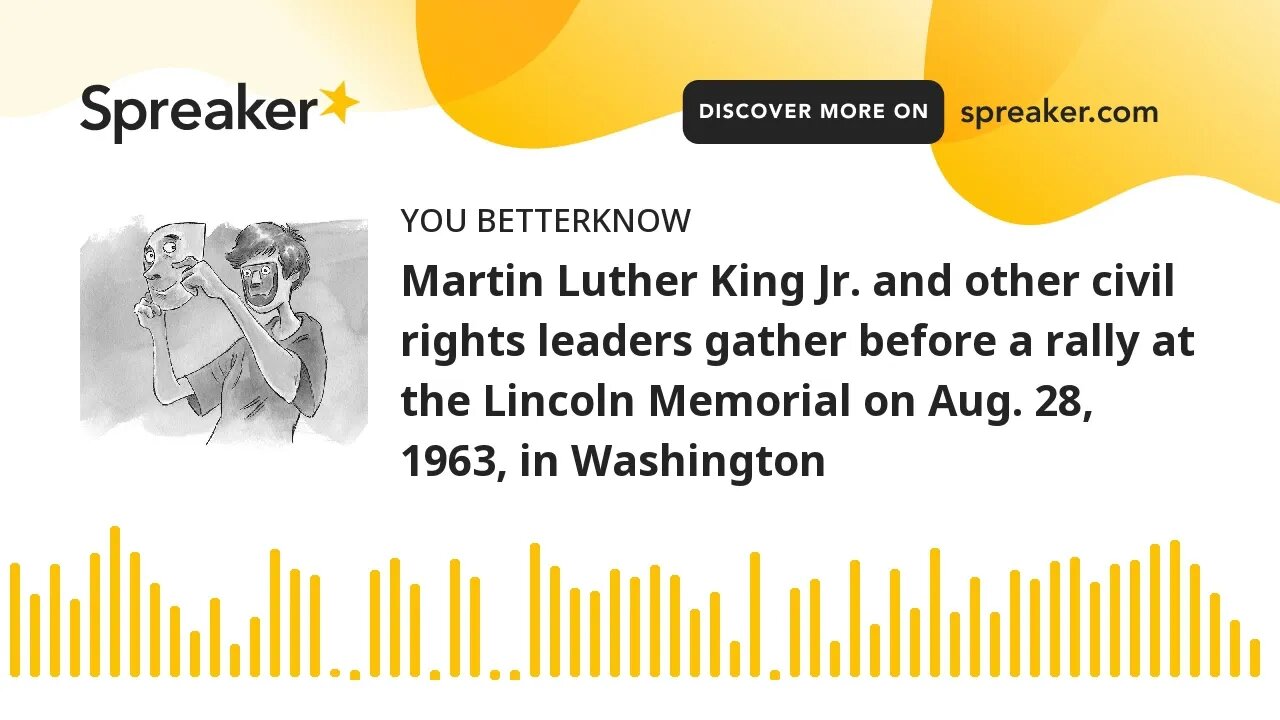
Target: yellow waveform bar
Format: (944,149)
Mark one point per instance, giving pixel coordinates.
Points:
(274,609)
(674,643)
(575,632)
(313,666)
(154,630)
(295,624)
(1015,623)
(39,642)
(895,622)
(1033,590)
(393,613)
(553,620)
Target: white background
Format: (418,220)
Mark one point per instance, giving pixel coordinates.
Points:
(1177,448)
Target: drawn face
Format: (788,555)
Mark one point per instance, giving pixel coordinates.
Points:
(167,245)
(261,283)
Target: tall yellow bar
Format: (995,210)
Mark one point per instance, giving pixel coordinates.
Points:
(1135,618)
(954,646)
(1095,629)
(874,632)
(535,610)
(113,603)
(154,630)
(1175,608)
(634,635)
(815,628)
(593,632)
(1154,572)
(995,644)
(1235,647)
(215,638)
(273,630)
(1033,620)
(255,647)
(675,622)
(75,637)
(415,630)
(615,623)
(55,621)
(975,627)
(915,642)
(855,618)
(375,623)
(695,645)
(755,615)
(474,654)
(95,614)
(1114,618)
(553,624)
(1215,635)
(895,623)
(455,618)
(195,654)
(1194,621)
(1055,618)
(33,644)
(1074,616)
(175,641)
(135,615)
(313,617)
(393,616)
(655,621)
(295,624)
(575,632)
(935,612)
(714,634)
(794,636)
(15,620)
(1015,623)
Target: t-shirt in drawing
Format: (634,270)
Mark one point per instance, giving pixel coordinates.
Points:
(251,410)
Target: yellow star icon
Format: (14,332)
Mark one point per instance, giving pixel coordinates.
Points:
(339,101)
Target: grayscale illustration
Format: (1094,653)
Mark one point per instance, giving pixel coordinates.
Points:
(265,330)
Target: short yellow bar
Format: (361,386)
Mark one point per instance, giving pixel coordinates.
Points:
(175,641)
(954,619)
(695,644)
(995,644)
(874,631)
(154,665)
(914,632)
(255,647)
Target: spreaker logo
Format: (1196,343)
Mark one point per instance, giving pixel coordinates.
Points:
(122,115)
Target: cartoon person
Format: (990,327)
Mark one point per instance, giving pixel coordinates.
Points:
(275,371)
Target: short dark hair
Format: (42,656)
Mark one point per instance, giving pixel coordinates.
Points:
(268,238)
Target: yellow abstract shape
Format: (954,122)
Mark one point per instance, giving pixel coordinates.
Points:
(1207,68)
(278,47)
(476,44)
(562,72)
